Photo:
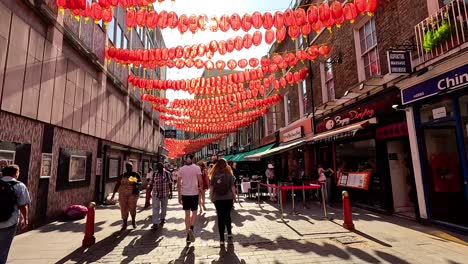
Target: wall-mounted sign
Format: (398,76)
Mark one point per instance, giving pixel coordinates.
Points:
(170,133)
(357,180)
(452,80)
(46,165)
(296,133)
(399,61)
(439,112)
(392,131)
(99,166)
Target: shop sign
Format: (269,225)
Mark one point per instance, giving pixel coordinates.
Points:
(399,61)
(170,133)
(293,134)
(350,117)
(439,112)
(46,165)
(392,131)
(452,80)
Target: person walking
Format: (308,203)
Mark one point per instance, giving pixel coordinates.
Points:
(325,180)
(223,194)
(205,179)
(270,175)
(149,175)
(128,186)
(189,185)
(14,204)
(162,192)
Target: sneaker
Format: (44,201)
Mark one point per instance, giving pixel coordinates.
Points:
(154,227)
(188,238)
(191,236)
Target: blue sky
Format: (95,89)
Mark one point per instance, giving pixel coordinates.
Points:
(213,8)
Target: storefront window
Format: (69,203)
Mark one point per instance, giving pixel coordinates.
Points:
(464,119)
(436,110)
(358,156)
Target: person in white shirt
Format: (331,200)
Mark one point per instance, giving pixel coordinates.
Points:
(190,184)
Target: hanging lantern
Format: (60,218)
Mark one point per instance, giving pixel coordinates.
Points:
(269,36)
(317,27)
(183,24)
(173,20)
(301,16)
(361,6)
(324,12)
(214,24)
(253,62)
(247,41)
(289,18)
(220,65)
(350,12)
(202,22)
(339,21)
(238,43)
(62,4)
(107,16)
(257,38)
(305,30)
(152,19)
(141,17)
(224,24)
(371,6)
(257,20)
(312,14)
(246,22)
(312,53)
(162,21)
(278,21)
(281,34)
(329,24)
(242,63)
(267,20)
(222,47)
(199,64)
(230,45)
(336,10)
(105,4)
(324,50)
(96,14)
(235,22)
(293,32)
(193,23)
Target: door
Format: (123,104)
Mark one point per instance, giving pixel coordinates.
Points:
(402,178)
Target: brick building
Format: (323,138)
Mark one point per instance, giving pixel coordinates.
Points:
(68,118)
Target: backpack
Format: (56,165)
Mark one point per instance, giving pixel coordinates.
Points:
(8,200)
(221,184)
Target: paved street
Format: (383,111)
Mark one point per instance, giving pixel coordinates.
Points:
(260,237)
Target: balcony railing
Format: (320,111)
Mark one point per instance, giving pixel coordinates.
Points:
(442,32)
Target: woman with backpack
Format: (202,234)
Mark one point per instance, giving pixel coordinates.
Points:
(223,194)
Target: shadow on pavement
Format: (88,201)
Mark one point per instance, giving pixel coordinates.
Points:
(228,255)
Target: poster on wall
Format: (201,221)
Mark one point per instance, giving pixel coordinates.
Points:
(113,168)
(46,165)
(99,166)
(77,171)
(357,180)
(8,156)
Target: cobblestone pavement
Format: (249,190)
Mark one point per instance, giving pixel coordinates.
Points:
(259,237)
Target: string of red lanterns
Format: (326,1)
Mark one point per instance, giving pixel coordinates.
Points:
(178,147)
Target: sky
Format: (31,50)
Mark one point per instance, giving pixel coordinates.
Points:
(173,38)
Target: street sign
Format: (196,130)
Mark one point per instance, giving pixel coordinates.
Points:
(399,61)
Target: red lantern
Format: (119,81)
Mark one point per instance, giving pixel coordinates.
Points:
(267,20)
(324,50)
(107,15)
(152,19)
(269,36)
(246,22)
(312,14)
(224,24)
(213,46)
(222,47)
(183,24)
(305,30)
(336,10)
(105,4)
(257,38)
(238,43)
(257,20)
(301,17)
(173,20)
(162,21)
(350,12)
(279,21)
(242,63)
(199,64)
(96,14)
(324,12)
(317,27)
(220,65)
(235,22)
(62,4)
(253,62)
(230,45)
(312,53)
(372,6)
(281,34)
(192,23)
(361,6)
(141,17)
(201,22)
(289,18)
(247,41)
(293,32)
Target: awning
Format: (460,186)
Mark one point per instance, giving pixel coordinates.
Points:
(347,131)
(240,156)
(228,157)
(275,151)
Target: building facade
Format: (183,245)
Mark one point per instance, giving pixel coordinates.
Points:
(68,118)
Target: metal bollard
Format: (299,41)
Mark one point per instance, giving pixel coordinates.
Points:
(281,201)
(324,201)
(258,192)
(148,196)
(89,238)
(347,213)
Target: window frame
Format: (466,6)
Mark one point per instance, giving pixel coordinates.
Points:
(360,54)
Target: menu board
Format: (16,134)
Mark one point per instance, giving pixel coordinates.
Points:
(358,180)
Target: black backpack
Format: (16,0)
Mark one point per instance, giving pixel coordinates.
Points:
(8,200)
(221,184)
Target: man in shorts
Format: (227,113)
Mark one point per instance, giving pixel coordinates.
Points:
(190,183)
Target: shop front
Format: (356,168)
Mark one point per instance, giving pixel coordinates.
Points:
(366,145)
(439,109)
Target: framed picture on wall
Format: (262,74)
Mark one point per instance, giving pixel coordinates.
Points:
(46,165)
(113,168)
(145,167)
(77,168)
(8,156)
(99,166)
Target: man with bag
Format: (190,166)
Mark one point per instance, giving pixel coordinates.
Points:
(162,192)
(14,198)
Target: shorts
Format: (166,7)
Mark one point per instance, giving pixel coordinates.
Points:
(190,202)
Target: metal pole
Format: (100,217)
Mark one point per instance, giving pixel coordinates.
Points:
(303,196)
(323,200)
(311,77)
(258,192)
(281,202)
(293,203)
